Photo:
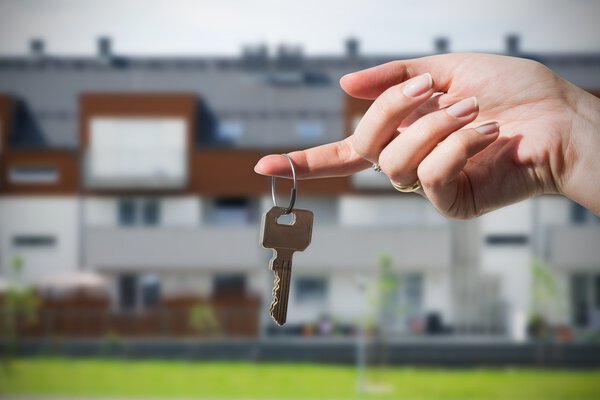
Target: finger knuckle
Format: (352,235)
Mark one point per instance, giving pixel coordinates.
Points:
(430,175)
(459,143)
(395,167)
(360,146)
(386,105)
(344,150)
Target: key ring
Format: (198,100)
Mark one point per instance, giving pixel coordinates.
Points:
(294,188)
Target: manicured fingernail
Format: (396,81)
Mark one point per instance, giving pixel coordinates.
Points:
(419,85)
(488,129)
(463,108)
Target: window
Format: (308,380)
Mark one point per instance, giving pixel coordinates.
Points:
(507,240)
(231,211)
(34,241)
(127,212)
(597,291)
(310,128)
(136,293)
(137,152)
(133,212)
(412,286)
(404,302)
(230,129)
(585,300)
(580,215)
(127,292)
(33,174)
(579,300)
(151,212)
(228,285)
(150,288)
(310,290)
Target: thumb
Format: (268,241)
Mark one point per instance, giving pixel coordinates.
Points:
(371,82)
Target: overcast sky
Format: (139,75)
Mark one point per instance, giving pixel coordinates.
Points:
(191,27)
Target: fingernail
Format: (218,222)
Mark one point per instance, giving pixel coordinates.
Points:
(463,108)
(258,166)
(419,85)
(488,129)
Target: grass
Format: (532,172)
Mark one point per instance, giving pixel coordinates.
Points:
(214,380)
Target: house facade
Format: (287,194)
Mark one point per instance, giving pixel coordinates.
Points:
(140,170)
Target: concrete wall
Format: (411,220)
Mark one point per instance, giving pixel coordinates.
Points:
(56,217)
(386,210)
(510,262)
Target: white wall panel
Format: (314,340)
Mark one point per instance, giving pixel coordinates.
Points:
(55,217)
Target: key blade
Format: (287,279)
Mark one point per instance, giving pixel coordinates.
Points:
(275,307)
(281,290)
(282,268)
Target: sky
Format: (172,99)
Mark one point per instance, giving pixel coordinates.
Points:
(193,27)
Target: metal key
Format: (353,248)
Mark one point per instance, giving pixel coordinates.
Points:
(284,240)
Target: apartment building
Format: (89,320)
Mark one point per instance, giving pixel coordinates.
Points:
(140,170)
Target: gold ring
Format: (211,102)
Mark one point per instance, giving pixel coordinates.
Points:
(413,187)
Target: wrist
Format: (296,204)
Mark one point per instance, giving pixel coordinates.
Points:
(580,180)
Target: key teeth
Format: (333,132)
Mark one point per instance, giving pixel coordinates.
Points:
(274,293)
(275,298)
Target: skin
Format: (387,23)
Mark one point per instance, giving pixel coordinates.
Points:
(548,139)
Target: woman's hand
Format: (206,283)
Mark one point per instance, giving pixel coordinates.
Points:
(502,129)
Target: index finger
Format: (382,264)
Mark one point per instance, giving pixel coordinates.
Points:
(325,161)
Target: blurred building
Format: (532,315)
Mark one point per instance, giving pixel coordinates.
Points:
(140,170)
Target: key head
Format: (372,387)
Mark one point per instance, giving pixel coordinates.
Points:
(294,237)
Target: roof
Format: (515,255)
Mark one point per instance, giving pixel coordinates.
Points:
(267,97)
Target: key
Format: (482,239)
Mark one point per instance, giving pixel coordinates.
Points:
(284,240)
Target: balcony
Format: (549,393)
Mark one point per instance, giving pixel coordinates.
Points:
(574,246)
(177,248)
(418,246)
(237,248)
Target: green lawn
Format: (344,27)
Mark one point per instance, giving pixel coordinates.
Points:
(178,379)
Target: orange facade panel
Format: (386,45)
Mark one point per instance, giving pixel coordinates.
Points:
(40,171)
(354,109)
(231,173)
(5,122)
(137,105)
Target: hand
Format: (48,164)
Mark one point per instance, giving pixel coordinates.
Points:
(502,129)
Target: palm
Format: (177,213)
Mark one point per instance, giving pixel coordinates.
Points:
(508,170)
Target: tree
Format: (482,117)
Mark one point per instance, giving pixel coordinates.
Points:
(19,309)
(203,320)
(548,300)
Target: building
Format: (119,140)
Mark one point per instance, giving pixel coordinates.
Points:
(140,169)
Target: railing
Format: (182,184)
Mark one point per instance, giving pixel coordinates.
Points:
(240,322)
(169,247)
(333,247)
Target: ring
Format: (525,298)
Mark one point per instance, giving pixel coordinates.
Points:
(294,188)
(413,187)
(376,167)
